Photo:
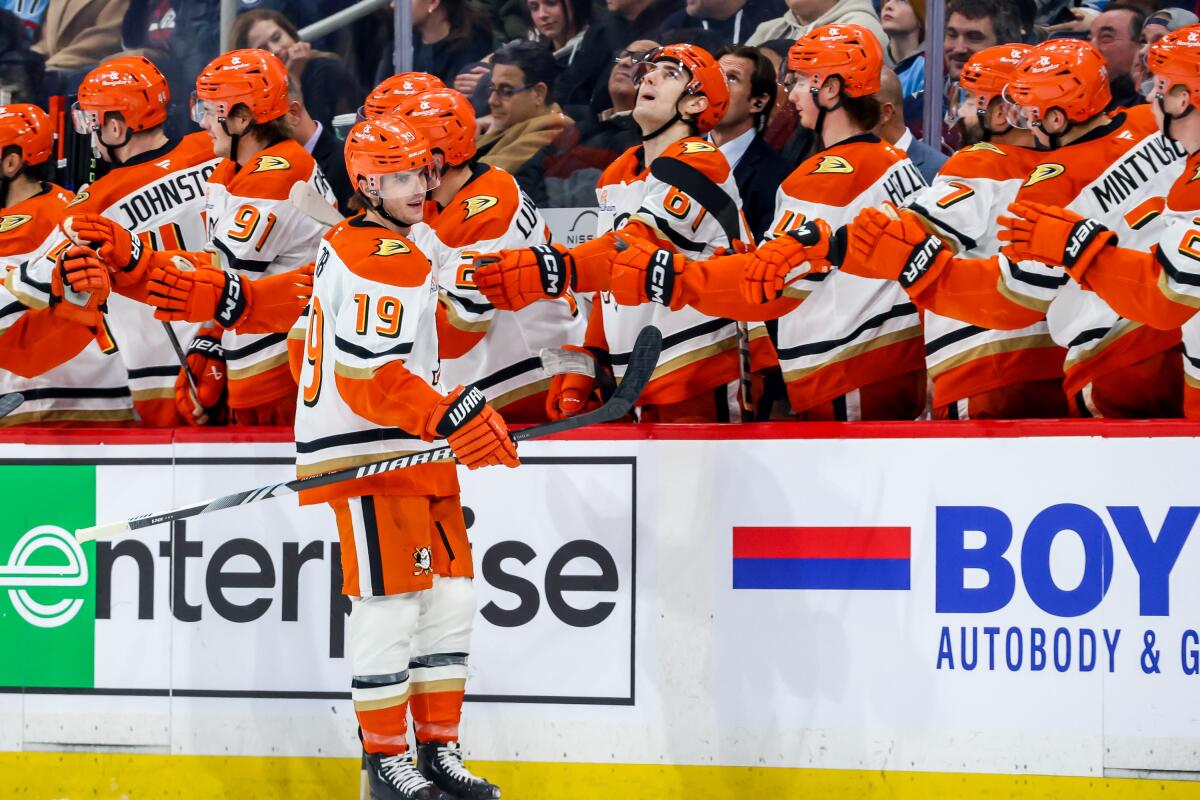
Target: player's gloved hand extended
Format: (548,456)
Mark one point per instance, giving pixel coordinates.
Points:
(643,272)
(1052,235)
(893,244)
(79,286)
(512,279)
(181,290)
(118,248)
(473,429)
(811,247)
(206,365)
(572,393)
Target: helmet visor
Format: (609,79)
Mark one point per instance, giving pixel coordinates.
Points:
(85,122)
(404,186)
(206,109)
(1021,117)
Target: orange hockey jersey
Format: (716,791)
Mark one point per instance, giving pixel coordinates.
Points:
(849,331)
(972,188)
(158,196)
(67,375)
(688,201)
(1116,174)
(495,351)
(255,230)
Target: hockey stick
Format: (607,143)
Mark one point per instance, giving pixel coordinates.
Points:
(310,202)
(192,390)
(642,361)
(10,402)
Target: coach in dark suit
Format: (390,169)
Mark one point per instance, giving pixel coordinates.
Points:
(325,148)
(892,130)
(757,168)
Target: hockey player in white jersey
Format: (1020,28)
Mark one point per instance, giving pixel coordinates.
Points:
(368,369)
(477,208)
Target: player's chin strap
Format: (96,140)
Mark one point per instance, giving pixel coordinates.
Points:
(1055,138)
(676,117)
(381,211)
(1168,118)
(112,149)
(234,140)
(819,127)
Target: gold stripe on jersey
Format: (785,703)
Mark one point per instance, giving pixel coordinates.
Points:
(520,393)
(67,415)
(991,348)
(456,319)
(856,350)
(1077,355)
(259,367)
(1164,286)
(1021,299)
(153,394)
(355,373)
(687,359)
(10,283)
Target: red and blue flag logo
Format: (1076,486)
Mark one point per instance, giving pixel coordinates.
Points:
(872,558)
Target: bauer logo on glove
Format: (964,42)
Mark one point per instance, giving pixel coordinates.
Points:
(920,261)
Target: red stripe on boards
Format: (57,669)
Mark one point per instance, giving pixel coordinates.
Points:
(821,542)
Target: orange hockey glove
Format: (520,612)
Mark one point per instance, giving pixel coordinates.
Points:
(512,279)
(812,246)
(645,273)
(894,246)
(1053,236)
(120,250)
(181,291)
(79,286)
(572,393)
(206,364)
(473,429)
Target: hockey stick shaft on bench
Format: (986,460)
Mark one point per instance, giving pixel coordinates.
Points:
(642,361)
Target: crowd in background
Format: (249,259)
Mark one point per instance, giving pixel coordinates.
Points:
(552,80)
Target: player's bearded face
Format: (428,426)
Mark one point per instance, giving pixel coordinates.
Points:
(660,87)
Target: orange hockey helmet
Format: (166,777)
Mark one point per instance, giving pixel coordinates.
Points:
(446,120)
(391,159)
(1072,78)
(987,72)
(393,91)
(253,78)
(29,128)
(130,86)
(707,79)
(1174,60)
(850,52)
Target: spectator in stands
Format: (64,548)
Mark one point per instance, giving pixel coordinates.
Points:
(563,24)
(971,26)
(1115,33)
(904,23)
(523,118)
(76,36)
(30,14)
(322,145)
(784,120)
(21,69)
(331,88)
(732,20)
(508,18)
(1157,25)
(891,128)
(449,37)
(757,169)
(564,174)
(804,15)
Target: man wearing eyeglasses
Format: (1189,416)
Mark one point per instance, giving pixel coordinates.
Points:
(524,119)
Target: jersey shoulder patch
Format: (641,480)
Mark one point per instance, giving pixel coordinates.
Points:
(626,169)
(1185,192)
(269,175)
(986,161)
(377,254)
(482,211)
(838,175)
(703,156)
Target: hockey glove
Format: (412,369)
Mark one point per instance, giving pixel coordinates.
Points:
(572,393)
(206,364)
(806,248)
(1053,236)
(645,273)
(512,279)
(893,245)
(118,248)
(473,429)
(79,287)
(180,290)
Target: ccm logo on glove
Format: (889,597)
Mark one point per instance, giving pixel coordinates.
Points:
(550,261)
(920,261)
(233,303)
(660,278)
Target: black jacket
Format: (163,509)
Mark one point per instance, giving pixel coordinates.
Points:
(743,23)
(329,89)
(758,176)
(329,154)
